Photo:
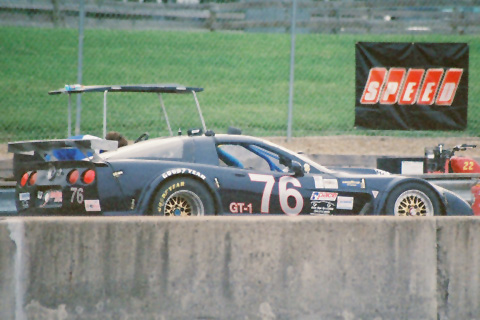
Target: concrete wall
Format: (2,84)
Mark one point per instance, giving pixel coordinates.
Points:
(240,268)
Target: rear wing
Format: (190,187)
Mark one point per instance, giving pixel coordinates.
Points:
(52,149)
(159,89)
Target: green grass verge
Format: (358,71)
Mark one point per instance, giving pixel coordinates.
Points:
(245,76)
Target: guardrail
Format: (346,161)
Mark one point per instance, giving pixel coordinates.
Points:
(459,183)
(6,173)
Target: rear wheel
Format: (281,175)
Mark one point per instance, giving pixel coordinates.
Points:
(183,197)
(413,199)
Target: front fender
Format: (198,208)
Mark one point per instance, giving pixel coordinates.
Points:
(400,180)
(453,204)
(382,197)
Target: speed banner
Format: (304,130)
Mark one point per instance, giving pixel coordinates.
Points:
(411,86)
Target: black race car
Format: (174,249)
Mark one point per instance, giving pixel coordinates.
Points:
(204,173)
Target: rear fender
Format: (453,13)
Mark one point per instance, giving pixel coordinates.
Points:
(150,190)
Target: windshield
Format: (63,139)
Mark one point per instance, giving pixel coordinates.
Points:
(302,157)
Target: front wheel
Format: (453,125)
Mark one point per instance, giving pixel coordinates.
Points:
(413,199)
(183,197)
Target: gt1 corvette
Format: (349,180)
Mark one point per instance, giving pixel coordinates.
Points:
(204,173)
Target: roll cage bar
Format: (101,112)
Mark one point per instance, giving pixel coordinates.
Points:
(264,154)
(152,88)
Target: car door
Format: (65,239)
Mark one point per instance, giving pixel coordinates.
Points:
(255,180)
(338,194)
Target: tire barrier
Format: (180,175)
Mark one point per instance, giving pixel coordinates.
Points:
(239,268)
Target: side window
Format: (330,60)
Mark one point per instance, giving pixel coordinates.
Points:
(249,157)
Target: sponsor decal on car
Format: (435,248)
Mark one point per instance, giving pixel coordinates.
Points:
(345,203)
(24,196)
(173,172)
(50,198)
(354,183)
(322,207)
(318,182)
(330,183)
(24,199)
(324,196)
(92,205)
(413,86)
(54,196)
(321,183)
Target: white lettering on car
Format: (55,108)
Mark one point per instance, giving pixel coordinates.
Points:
(77,195)
(173,172)
(284,193)
(240,207)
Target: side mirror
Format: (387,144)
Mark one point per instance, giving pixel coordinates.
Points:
(297,169)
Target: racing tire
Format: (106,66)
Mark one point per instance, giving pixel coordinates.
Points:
(413,199)
(183,197)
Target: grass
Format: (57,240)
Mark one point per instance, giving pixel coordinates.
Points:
(245,76)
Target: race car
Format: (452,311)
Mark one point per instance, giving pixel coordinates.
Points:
(208,174)
(203,173)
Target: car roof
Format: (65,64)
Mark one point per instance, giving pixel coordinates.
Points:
(201,149)
(239,138)
(194,149)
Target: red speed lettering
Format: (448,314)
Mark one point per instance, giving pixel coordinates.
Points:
(430,86)
(392,86)
(449,87)
(407,88)
(376,77)
(410,88)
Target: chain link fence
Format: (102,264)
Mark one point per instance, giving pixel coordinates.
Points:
(239,51)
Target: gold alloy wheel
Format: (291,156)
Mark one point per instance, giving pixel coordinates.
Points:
(184,203)
(414,203)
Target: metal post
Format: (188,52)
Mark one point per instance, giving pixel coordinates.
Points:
(69,121)
(81,22)
(199,112)
(292,70)
(105,113)
(165,114)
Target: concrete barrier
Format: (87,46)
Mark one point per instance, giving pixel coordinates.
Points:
(240,268)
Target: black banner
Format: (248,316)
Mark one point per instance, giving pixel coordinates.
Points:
(411,86)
